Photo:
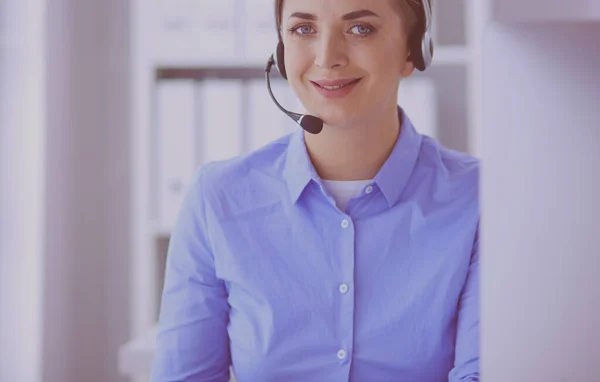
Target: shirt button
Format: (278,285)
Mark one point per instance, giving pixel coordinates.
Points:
(368,190)
(343,288)
(341,354)
(345,223)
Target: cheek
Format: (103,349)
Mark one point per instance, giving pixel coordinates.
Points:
(296,59)
(392,54)
(296,65)
(378,66)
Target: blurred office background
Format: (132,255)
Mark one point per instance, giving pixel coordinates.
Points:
(108,106)
(65,176)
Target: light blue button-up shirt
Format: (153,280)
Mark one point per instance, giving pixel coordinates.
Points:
(265,274)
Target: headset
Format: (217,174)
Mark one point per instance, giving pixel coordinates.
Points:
(421,54)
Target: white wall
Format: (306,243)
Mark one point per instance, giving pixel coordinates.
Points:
(64,189)
(546,10)
(541,203)
(22,132)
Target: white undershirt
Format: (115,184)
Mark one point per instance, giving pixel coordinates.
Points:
(344,190)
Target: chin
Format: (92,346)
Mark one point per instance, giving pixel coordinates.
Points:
(340,114)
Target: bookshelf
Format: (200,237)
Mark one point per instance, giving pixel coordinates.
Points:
(166,48)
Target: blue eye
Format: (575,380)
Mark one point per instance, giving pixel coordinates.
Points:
(361,30)
(302,30)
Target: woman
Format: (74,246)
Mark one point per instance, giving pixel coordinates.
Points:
(348,255)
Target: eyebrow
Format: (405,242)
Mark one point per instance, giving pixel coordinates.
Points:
(348,16)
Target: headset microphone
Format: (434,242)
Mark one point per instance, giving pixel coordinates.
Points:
(308,122)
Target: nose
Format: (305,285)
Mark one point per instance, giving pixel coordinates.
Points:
(331,52)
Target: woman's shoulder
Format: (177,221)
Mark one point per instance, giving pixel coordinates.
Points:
(243,179)
(451,173)
(266,159)
(450,163)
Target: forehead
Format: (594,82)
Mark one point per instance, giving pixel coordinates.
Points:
(338,8)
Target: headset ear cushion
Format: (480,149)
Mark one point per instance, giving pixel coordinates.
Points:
(416,56)
(279,60)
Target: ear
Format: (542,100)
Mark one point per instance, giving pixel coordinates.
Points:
(408,67)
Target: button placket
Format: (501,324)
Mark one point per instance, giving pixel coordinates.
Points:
(346,299)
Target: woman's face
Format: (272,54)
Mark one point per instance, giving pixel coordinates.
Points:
(360,44)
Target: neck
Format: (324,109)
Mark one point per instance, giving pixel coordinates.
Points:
(354,152)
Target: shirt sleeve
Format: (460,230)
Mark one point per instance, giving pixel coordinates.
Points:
(192,343)
(466,364)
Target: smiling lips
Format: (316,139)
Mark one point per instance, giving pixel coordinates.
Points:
(335,88)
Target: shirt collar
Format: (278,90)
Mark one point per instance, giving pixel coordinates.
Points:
(299,170)
(392,178)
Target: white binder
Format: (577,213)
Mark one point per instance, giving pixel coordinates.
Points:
(266,122)
(417,97)
(175,146)
(220,119)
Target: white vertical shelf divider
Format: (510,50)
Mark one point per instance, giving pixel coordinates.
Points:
(142,291)
(478,16)
(23,198)
(143,268)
